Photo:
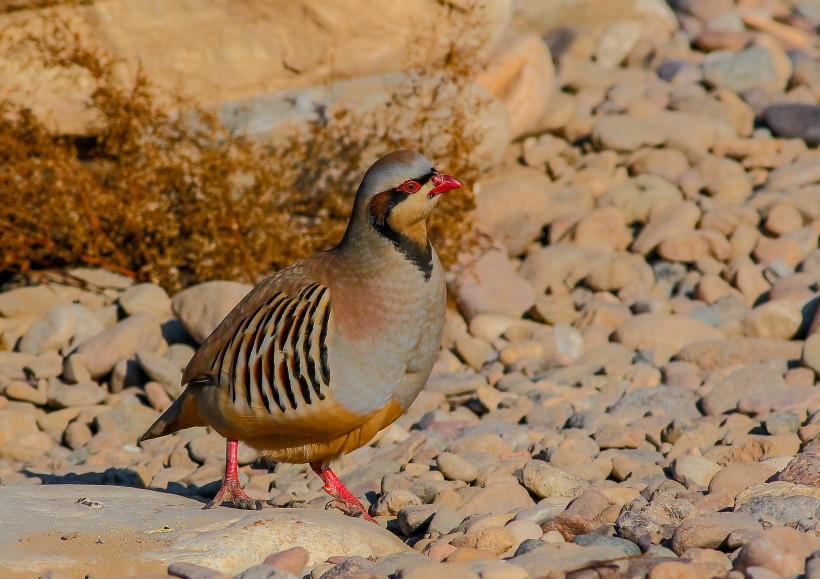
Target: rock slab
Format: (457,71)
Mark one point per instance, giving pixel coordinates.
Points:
(108,530)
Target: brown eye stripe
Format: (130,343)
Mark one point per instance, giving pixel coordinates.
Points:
(277,350)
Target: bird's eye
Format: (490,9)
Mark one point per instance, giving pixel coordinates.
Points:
(410,187)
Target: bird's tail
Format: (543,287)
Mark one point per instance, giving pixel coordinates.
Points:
(181,414)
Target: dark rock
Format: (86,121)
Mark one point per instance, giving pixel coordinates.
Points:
(674,400)
(794,121)
(528,545)
(628,547)
(781,511)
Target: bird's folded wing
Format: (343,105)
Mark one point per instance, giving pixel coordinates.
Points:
(271,354)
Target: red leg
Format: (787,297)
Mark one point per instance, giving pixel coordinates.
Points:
(342,497)
(230,491)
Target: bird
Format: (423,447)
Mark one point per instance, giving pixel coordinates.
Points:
(318,358)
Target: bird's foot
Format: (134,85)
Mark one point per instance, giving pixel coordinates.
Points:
(351,509)
(231,492)
(343,499)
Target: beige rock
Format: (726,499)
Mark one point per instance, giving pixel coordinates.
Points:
(521,74)
(668,221)
(164,528)
(781,549)
(709,354)
(798,399)
(33,301)
(261,48)
(491,285)
(801,172)
(695,470)
(620,271)
(145,297)
(546,481)
(666,334)
(612,436)
(561,558)
(745,381)
(774,319)
(513,206)
(453,467)
(559,267)
(292,560)
(693,132)
(737,477)
(710,531)
(626,134)
(811,352)
(425,570)
(200,308)
(754,447)
(494,539)
(685,570)
(501,497)
(778,489)
(667,163)
(727,218)
(138,332)
(641,197)
(656,18)
(603,229)
(785,249)
(748,278)
(692,246)
(24,392)
(783,218)
(712,288)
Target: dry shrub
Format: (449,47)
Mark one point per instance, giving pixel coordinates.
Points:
(178,199)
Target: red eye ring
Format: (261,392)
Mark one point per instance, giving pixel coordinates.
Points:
(410,187)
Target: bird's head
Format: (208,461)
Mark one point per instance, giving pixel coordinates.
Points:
(399,191)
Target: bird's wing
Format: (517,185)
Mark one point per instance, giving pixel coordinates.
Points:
(271,351)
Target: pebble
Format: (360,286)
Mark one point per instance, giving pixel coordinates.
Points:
(782,423)
(129,420)
(491,285)
(453,467)
(794,121)
(138,332)
(746,381)
(413,519)
(737,477)
(201,307)
(162,370)
(664,334)
(711,354)
(710,531)
(145,297)
(628,547)
(780,549)
(62,395)
(755,67)
(694,470)
(547,481)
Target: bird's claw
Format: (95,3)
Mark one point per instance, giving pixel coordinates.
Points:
(351,510)
(233,493)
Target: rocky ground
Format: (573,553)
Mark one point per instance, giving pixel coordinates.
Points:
(629,387)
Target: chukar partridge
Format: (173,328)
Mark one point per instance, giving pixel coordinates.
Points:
(321,356)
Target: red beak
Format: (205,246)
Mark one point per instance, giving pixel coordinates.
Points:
(443,183)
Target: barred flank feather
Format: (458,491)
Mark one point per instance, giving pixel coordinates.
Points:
(275,353)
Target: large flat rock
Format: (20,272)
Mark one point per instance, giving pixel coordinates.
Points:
(120,531)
